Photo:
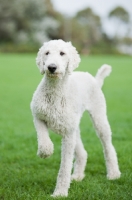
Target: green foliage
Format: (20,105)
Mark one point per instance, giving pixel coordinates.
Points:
(88,17)
(19,48)
(87,30)
(105,46)
(30,23)
(23,175)
(27,22)
(120,14)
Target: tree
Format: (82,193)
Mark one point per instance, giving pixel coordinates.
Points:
(120,14)
(120,18)
(25,21)
(121,23)
(90,27)
(7,24)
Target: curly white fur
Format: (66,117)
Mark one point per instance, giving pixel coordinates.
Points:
(58,104)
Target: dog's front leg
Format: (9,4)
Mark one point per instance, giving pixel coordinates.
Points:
(64,175)
(45,145)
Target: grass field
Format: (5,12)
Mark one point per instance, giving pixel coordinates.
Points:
(23,175)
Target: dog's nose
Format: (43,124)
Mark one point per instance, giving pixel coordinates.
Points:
(52,68)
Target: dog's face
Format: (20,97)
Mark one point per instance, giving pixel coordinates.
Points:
(56,58)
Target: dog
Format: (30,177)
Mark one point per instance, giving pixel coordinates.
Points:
(58,104)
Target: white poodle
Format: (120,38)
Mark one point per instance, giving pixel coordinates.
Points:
(58,104)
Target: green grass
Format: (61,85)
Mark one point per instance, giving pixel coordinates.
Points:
(23,175)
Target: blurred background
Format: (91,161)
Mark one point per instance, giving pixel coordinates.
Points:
(94,27)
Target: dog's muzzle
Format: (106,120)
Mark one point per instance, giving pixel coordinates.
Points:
(52,68)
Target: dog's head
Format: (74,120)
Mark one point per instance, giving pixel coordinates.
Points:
(56,58)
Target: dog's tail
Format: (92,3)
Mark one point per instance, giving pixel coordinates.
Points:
(102,72)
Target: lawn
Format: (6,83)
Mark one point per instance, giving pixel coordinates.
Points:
(23,175)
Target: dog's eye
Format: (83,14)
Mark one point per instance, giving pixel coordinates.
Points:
(62,53)
(47,53)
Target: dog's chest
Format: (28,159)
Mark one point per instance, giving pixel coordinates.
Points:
(53,109)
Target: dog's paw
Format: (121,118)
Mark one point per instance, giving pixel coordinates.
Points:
(59,194)
(77,177)
(114,175)
(45,150)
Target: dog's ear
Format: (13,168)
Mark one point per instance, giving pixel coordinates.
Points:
(74,58)
(39,60)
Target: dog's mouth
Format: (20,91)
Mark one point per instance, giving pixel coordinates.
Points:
(54,75)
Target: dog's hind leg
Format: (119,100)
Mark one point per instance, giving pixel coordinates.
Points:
(80,159)
(98,115)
